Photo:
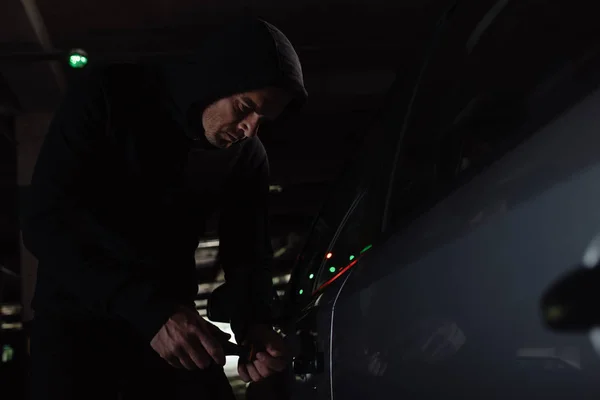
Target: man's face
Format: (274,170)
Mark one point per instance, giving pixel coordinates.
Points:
(238,117)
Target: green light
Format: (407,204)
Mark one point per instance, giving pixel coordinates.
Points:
(332,269)
(366,248)
(7,353)
(311,276)
(78,58)
(351,258)
(301,291)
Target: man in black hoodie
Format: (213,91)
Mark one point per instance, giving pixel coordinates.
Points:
(136,158)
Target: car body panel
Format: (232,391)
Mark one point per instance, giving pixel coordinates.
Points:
(451,305)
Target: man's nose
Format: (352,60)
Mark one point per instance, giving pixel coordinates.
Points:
(249,125)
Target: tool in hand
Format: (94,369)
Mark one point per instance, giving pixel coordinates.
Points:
(244,352)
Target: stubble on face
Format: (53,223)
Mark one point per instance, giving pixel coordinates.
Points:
(213,122)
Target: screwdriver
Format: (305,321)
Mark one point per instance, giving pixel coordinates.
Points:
(244,352)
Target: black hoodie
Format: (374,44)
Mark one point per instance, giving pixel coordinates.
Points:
(124,181)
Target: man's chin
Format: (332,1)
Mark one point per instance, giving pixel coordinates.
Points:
(216,142)
(225,145)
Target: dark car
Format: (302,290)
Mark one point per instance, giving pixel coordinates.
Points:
(478,186)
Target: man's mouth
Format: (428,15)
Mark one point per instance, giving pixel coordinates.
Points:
(232,138)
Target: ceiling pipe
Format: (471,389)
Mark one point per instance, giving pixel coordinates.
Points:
(39,27)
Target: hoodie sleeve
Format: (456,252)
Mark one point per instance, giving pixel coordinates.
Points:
(56,222)
(245,245)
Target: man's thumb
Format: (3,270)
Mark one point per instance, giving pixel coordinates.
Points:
(219,334)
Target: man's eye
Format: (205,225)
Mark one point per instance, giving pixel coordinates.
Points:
(244,109)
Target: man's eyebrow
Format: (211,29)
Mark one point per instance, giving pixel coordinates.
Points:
(250,102)
(253,105)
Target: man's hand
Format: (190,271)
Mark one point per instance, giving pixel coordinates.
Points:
(273,359)
(188,341)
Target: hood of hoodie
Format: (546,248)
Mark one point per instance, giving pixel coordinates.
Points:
(246,56)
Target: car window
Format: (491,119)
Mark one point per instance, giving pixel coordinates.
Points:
(308,263)
(305,272)
(338,240)
(347,224)
(351,216)
(470,115)
(354,238)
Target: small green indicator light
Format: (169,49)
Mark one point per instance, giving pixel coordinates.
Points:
(366,248)
(332,269)
(351,258)
(78,58)
(311,276)
(301,291)
(7,353)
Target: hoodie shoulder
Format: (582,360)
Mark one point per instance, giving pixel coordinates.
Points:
(253,156)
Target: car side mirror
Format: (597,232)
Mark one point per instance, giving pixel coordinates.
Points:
(572,303)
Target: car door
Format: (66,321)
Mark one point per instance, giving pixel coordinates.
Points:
(503,199)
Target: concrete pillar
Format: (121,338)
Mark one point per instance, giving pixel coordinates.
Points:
(30,130)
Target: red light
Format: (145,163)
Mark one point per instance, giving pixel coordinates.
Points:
(329,255)
(340,273)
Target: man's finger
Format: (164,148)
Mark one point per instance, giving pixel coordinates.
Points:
(219,334)
(262,368)
(243,372)
(273,363)
(197,354)
(186,361)
(212,346)
(253,373)
(173,361)
(275,349)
